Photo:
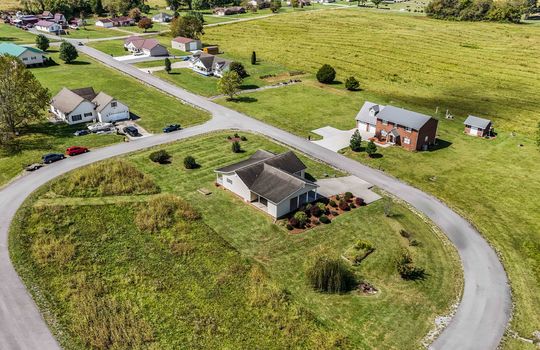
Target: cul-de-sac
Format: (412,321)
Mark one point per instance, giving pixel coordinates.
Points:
(269,174)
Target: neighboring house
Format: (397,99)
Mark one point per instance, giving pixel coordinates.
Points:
(83,105)
(186,44)
(274,183)
(227,11)
(104,23)
(149,47)
(59,18)
(28,55)
(476,126)
(77,22)
(162,18)
(47,26)
(206,64)
(46,15)
(389,124)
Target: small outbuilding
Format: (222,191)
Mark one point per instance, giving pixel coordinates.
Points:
(162,18)
(186,44)
(476,126)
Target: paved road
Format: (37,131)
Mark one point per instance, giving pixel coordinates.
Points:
(481,317)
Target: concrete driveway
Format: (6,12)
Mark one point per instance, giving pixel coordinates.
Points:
(336,139)
(353,184)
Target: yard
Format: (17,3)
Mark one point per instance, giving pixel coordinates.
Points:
(216,285)
(15,35)
(116,47)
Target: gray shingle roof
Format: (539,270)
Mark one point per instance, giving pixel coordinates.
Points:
(403,117)
(477,122)
(101,101)
(276,185)
(66,101)
(87,93)
(258,156)
(364,114)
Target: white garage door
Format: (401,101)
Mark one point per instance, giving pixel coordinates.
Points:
(118,116)
(473,131)
(372,128)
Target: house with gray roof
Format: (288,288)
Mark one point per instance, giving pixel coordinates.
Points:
(476,126)
(148,47)
(397,126)
(274,183)
(162,17)
(207,64)
(84,105)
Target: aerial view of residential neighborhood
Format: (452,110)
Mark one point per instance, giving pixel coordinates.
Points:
(269,174)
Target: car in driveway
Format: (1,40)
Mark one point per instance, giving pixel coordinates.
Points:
(33,167)
(52,157)
(171,128)
(76,150)
(81,132)
(131,131)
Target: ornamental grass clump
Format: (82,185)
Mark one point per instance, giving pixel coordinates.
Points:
(330,275)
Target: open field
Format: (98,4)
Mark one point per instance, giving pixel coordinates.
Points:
(215,258)
(92,32)
(9,4)
(15,35)
(116,47)
(493,183)
(487,70)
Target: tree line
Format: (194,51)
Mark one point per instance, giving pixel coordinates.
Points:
(76,8)
(480,10)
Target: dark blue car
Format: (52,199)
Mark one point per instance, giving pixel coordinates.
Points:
(81,132)
(52,157)
(172,127)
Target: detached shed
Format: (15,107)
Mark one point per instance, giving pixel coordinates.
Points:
(186,44)
(476,126)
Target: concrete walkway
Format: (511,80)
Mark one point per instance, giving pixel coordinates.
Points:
(353,184)
(482,314)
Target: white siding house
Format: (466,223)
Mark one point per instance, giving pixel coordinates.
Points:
(48,27)
(186,44)
(28,55)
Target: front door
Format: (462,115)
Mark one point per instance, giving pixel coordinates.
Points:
(294,203)
(263,201)
(473,131)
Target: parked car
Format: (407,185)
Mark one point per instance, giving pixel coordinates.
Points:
(131,131)
(172,127)
(76,150)
(52,157)
(100,126)
(79,43)
(33,167)
(81,132)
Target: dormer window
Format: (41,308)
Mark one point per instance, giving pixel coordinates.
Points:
(114,104)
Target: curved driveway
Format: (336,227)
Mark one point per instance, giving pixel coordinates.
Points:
(481,317)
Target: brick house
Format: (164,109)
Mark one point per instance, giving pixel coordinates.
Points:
(388,124)
(475,126)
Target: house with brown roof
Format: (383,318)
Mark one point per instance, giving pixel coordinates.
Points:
(122,21)
(186,44)
(148,47)
(48,26)
(84,105)
(207,64)
(274,183)
(227,11)
(397,126)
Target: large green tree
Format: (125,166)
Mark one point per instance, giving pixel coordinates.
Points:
(22,98)
(229,84)
(42,42)
(68,52)
(189,26)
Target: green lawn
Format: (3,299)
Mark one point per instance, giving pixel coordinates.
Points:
(15,35)
(92,32)
(189,80)
(116,47)
(141,270)
(156,63)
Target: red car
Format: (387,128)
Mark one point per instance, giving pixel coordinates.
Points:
(76,150)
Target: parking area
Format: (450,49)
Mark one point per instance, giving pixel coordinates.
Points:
(122,124)
(358,187)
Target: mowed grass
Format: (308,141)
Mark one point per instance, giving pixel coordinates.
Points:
(486,70)
(92,32)
(9,4)
(116,47)
(15,35)
(154,108)
(206,271)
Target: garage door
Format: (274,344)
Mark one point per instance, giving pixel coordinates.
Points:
(118,116)
(372,128)
(473,131)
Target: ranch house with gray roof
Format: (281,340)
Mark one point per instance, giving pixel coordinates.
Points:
(274,183)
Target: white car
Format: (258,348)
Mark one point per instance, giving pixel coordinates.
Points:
(100,127)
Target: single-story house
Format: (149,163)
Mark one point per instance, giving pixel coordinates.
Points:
(59,18)
(206,64)
(122,21)
(274,183)
(23,19)
(47,26)
(162,18)
(227,11)
(84,105)
(46,15)
(77,22)
(186,44)
(149,47)
(104,23)
(398,126)
(28,55)
(476,126)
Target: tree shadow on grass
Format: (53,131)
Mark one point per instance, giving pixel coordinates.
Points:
(440,144)
(245,99)
(376,156)
(79,63)
(249,87)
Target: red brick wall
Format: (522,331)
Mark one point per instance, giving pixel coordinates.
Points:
(479,133)
(416,137)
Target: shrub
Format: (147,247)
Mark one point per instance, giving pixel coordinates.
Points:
(332,203)
(407,270)
(404,233)
(371,149)
(316,211)
(352,84)
(293,222)
(330,275)
(334,213)
(348,196)
(229,137)
(415,243)
(235,147)
(309,206)
(343,205)
(243,138)
(321,206)
(338,197)
(364,245)
(236,135)
(356,141)
(324,219)
(239,69)
(301,217)
(352,206)
(190,163)
(160,157)
(326,74)
(359,202)
(289,227)
(42,42)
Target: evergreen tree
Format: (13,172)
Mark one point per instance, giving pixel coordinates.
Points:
(352,84)
(168,65)
(68,52)
(42,42)
(326,74)
(371,148)
(356,141)
(253,58)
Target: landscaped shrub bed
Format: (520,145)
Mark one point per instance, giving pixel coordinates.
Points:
(323,211)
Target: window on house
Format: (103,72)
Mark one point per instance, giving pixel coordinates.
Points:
(383,133)
(406,140)
(76,117)
(407,129)
(86,115)
(114,104)
(384,122)
(229,181)
(25,59)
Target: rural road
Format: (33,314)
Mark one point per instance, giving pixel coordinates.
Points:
(481,317)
